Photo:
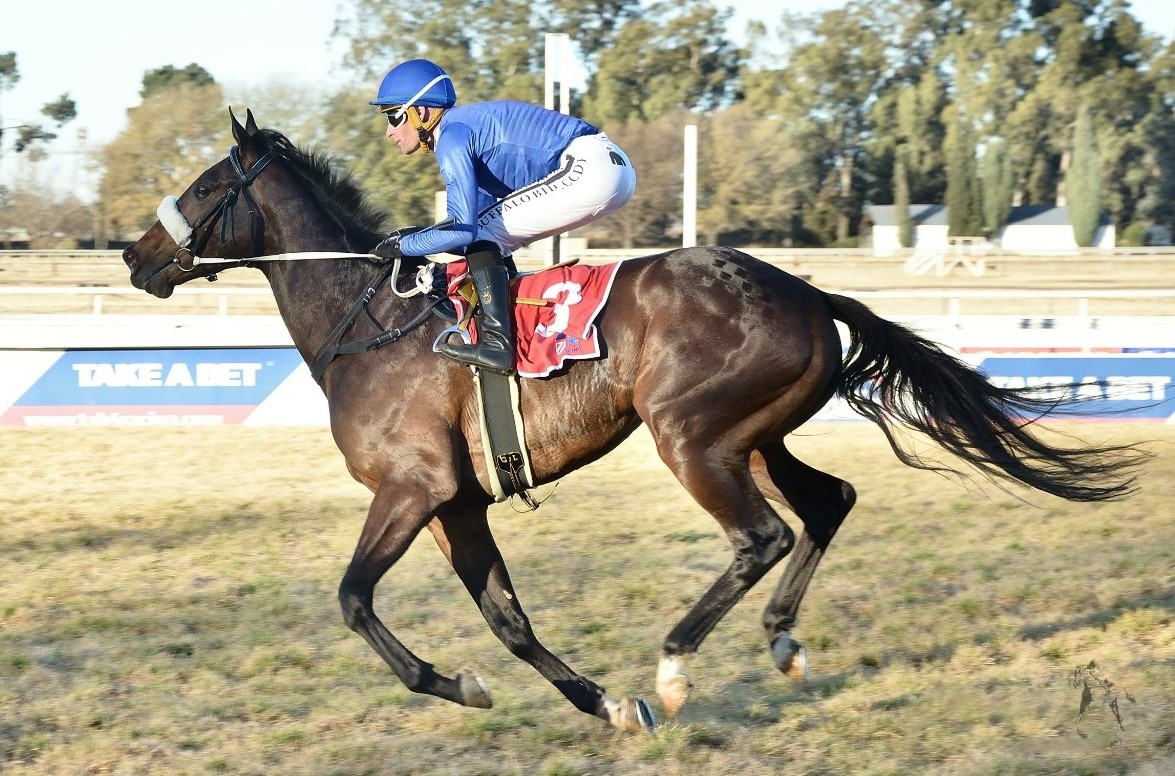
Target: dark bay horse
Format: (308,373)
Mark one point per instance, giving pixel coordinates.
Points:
(719,354)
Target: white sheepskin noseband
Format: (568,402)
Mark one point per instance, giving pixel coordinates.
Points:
(174,222)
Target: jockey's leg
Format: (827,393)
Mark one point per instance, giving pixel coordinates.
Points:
(494,349)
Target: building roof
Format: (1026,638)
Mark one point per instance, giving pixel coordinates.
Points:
(1046,215)
(936,215)
(921,215)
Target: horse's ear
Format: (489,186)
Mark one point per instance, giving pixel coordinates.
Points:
(250,123)
(240,134)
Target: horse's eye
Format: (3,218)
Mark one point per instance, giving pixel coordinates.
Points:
(202,190)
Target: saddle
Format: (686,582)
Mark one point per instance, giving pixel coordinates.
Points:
(554,311)
(463,290)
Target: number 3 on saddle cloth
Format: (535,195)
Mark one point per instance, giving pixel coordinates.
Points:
(554,312)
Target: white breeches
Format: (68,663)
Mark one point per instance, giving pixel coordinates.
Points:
(596,178)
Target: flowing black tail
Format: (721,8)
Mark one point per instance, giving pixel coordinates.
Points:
(894,377)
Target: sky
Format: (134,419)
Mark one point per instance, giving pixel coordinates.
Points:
(98,50)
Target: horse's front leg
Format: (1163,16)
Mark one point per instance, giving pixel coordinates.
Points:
(397,513)
(464,536)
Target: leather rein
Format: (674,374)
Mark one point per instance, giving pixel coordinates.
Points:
(187,257)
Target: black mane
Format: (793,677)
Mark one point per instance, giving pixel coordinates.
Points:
(335,186)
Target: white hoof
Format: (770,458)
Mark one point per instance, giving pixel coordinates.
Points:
(631,715)
(673,684)
(473,690)
(790,657)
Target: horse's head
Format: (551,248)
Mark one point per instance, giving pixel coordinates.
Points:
(216,217)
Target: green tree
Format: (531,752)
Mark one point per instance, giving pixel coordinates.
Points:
(901,200)
(491,50)
(170,138)
(162,79)
(1083,182)
(1096,54)
(9,73)
(1156,139)
(655,149)
(750,173)
(907,110)
(997,185)
(990,53)
(52,219)
(676,56)
(404,187)
(964,212)
(29,133)
(838,65)
(593,24)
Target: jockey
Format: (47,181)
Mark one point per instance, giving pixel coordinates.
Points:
(514,173)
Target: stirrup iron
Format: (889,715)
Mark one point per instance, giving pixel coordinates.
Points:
(453,329)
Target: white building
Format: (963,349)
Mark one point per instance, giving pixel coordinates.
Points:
(930,228)
(1046,228)
(1032,228)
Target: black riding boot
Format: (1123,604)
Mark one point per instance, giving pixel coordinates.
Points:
(495,332)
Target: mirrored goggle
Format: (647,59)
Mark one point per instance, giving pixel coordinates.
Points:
(396,116)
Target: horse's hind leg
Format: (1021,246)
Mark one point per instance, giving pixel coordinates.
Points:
(464,537)
(719,479)
(822,502)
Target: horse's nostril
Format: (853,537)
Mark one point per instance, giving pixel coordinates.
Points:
(128,256)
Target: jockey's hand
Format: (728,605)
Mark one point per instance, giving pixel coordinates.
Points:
(388,250)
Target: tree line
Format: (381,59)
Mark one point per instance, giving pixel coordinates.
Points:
(980,105)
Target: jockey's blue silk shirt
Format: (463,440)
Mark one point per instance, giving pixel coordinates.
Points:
(486,151)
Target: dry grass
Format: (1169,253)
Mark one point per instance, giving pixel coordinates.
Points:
(169,607)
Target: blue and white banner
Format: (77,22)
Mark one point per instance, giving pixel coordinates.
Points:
(1136,386)
(194,386)
(1123,385)
(272,386)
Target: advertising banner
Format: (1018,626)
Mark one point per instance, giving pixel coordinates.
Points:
(190,386)
(1129,385)
(272,386)
(1123,385)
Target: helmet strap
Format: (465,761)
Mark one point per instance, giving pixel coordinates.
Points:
(424,129)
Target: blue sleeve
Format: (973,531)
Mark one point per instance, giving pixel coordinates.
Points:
(455,157)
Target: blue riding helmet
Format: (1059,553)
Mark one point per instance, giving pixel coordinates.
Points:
(416,82)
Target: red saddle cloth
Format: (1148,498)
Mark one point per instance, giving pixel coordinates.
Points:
(554,320)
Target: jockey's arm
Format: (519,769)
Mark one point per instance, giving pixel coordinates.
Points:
(456,164)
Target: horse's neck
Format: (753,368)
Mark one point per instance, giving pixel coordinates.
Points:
(313,295)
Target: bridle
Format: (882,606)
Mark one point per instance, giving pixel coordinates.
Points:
(222,211)
(187,256)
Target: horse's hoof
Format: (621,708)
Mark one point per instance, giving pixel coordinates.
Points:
(673,684)
(631,715)
(473,690)
(790,657)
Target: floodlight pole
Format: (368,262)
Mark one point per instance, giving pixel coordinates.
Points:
(557,97)
(689,190)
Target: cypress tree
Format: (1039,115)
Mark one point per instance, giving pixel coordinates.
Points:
(997,185)
(963,208)
(901,202)
(1083,181)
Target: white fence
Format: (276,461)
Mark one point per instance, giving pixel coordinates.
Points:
(771,255)
(954,299)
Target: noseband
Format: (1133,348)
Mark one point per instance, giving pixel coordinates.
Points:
(222,211)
